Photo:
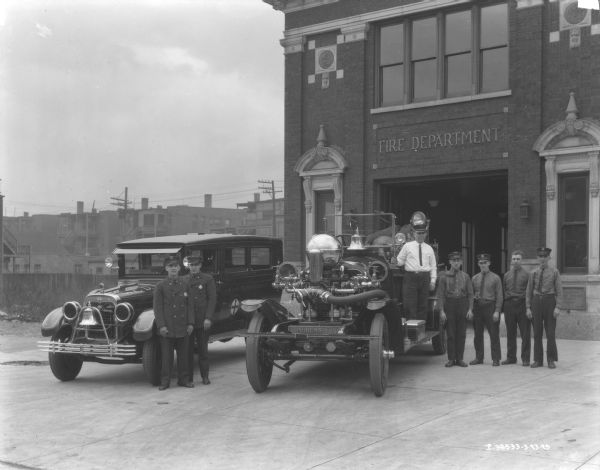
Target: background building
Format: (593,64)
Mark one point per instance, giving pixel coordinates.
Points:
(483,114)
(79,242)
(262,216)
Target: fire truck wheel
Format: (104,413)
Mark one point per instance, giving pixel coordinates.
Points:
(258,365)
(378,359)
(65,367)
(151,360)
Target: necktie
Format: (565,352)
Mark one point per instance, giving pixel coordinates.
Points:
(420,256)
(514,285)
(541,281)
(481,285)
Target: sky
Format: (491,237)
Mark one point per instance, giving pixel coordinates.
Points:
(172,99)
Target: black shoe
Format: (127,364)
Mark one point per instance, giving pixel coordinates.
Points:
(495,363)
(186,385)
(163,387)
(474,362)
(536,364)
(525,363)
(509,361)
(205,381)
(461,363)
(449,364)
(551,365)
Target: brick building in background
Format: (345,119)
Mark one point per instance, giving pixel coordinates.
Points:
(483,114)
(79,242)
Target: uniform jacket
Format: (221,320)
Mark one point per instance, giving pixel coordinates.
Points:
(547,282)
(202,294)
(171,307)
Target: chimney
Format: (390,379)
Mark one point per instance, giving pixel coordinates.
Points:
(25,214)
(208,201)
(144,203)
(80,207)
(256,197)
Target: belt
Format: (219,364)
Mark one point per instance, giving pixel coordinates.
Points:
(545,295)
(515,298)
(484,301)
(418,272)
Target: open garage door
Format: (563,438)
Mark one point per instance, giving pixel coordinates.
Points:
(468,213)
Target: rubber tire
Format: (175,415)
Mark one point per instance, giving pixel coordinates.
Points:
(151,360)
(258,368)
(378,363)
(65,367)
(439,342)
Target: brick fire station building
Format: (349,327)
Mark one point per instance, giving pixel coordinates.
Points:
(483,114)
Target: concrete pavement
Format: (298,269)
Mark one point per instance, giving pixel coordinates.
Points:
(321,415)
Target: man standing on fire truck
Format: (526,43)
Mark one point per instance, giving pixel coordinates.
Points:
(418,259)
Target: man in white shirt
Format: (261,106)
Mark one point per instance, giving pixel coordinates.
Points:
(418,259)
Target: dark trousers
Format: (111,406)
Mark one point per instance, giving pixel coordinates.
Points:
(456,326)
(415,295)
(483,315)
(200,337)
(167,345)
(542,308)
(515,315)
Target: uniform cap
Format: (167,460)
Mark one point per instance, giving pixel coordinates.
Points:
(194,260)
(484,257)
(172,260)
(454,255)
(543,252)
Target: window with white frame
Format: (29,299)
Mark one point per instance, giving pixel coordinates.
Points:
(413,66)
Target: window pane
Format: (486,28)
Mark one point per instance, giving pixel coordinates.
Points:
(575,199)
(458,75)
(325,212)
(424,80)
(458,32)
(392,85)
(494,70)
(494,26)
(424,39)
(392,44)
(575,246)
(260,257)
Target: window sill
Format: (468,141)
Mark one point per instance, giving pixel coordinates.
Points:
(427,104)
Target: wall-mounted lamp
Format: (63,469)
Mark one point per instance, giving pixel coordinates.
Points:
(524,209)
(433,202)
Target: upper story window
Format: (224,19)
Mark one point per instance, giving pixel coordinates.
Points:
(455,53)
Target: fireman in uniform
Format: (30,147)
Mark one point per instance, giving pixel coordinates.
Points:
(543,298)
(455,300)
(202,294)
(175,323)
(418,259)
(515,285)
(487,288)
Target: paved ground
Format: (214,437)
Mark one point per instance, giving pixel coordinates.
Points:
(321,415)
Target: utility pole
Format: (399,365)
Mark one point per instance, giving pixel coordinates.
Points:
(268,187)
(122,203)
